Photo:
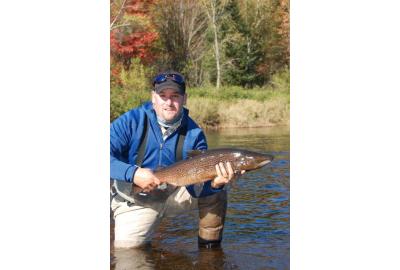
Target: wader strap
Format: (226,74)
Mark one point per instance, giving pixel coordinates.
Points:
(143,143)
(181,140)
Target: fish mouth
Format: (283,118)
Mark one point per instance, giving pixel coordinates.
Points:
(265,160)
(263,163)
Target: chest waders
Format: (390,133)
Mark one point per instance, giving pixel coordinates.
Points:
(212,209)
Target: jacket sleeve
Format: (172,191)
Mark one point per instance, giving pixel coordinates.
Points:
(120,138)
(202,189)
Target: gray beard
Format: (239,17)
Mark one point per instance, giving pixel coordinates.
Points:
(174,122)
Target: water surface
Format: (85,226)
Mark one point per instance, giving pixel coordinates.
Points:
(256,234)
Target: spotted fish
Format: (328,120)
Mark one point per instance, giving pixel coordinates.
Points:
(200,166)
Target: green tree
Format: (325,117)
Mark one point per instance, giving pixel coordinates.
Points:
(215,10)
(257,44)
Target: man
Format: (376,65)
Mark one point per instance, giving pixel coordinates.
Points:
(154,135)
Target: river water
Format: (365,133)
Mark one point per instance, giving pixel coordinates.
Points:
(256,233)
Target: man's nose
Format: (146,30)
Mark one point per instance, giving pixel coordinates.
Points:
(168,101)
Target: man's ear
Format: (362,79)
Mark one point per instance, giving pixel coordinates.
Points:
(153,98)
(184,99)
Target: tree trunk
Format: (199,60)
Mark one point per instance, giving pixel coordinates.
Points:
(216,46)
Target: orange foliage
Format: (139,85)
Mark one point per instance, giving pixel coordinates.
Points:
(131,40)
(283,27)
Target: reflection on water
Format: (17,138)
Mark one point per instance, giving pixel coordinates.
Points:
(256,234)
(153,258)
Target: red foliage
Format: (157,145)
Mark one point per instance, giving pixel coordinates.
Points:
(115,71)
(128,42)
(136,44)
(138,7)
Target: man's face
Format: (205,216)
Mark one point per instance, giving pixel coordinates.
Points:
(168,103)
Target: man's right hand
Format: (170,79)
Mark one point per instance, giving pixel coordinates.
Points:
(145,179)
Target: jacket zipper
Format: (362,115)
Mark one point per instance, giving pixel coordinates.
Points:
(160,155)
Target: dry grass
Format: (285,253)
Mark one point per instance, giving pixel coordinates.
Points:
(209,113)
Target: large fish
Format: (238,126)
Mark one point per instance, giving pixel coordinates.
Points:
(200,166)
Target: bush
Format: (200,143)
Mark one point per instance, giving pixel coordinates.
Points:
(134,89)
(280,81)
(135,78)
(123,100)
(204,111)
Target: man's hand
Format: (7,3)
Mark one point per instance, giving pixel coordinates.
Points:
(225,174)
(145,179)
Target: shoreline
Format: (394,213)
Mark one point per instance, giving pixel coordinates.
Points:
(208,128)
(239,113)
(230,107)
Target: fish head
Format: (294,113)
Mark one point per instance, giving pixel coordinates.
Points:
(249,160)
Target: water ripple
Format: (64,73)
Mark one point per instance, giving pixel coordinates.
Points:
(257,225)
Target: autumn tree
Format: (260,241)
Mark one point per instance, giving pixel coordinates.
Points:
(132,33)
(239,42)
(277,48)
(182,27)
(132,38)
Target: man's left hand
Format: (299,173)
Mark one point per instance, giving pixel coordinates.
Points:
(225,174)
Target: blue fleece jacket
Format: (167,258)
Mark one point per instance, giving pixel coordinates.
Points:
(125,135)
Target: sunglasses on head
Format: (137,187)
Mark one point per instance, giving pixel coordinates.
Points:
(174,77)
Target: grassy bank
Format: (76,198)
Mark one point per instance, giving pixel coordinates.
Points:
(210,113)
(225,107)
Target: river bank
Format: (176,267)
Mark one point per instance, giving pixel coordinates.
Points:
(227,107)
(234,106)
(216,114)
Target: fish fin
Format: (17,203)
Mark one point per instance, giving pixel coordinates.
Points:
(136,189)
(194,153)
(233,184)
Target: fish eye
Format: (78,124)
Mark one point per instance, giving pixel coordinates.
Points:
(242,161)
